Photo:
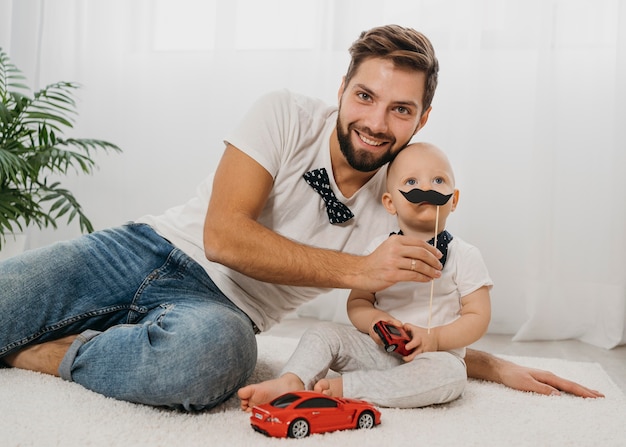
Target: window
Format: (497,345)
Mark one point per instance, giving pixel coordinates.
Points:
(284,401)
(318,402)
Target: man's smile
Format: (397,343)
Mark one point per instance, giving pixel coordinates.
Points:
(369,141)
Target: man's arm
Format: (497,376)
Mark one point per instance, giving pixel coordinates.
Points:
(233,237)
(481,365)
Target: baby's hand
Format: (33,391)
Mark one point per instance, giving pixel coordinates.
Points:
(421,340)
(390,320)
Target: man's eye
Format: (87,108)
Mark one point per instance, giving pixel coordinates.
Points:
(402,110)
(363,96)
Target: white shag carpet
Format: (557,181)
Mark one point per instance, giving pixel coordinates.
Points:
(40,411)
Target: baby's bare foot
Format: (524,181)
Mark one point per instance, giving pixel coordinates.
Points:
(261,393)
(330,387)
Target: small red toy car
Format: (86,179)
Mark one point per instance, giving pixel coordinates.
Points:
(300,413)
(394,338)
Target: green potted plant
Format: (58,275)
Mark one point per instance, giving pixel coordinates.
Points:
(33,151)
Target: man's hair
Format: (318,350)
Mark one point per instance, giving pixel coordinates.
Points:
(405,47)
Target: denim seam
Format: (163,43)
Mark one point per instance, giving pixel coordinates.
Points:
(161,272)
(66,322)
(167,308)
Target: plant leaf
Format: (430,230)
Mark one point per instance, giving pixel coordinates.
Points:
(33,148)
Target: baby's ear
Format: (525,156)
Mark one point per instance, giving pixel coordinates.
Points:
(388,204)
(455,199)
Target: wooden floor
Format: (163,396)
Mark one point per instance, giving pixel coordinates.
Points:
(612,360)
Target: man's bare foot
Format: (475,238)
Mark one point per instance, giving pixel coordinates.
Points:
(330,387)
(45,357)
(261,393)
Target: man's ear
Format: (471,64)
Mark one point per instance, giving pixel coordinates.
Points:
(423,119)
(341,88)
(388,204)
(455,199)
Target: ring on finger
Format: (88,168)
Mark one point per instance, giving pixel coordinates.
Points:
(413,262)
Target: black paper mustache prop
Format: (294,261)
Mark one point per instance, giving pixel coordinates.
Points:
(417,195)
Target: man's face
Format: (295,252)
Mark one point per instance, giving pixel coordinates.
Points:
(379,111)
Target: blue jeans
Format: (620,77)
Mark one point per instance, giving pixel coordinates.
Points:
(154,328)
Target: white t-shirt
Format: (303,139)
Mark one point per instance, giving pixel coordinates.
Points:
(464,272)
(287,134)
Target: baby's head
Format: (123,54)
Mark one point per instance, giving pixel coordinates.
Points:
(425,167)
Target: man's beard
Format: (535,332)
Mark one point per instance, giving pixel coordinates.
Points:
(362,161)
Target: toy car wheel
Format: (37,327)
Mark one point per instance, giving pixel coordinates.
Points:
(299,429)
(366,420)
(391,348)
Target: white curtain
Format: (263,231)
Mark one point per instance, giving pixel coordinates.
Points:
(531,108)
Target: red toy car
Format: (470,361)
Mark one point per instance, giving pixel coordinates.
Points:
(300,413)
(394,338)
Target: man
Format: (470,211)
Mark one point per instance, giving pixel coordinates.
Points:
(164,311)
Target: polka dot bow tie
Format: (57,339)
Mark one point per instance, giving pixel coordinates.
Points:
(337,211)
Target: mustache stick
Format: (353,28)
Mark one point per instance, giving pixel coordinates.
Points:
(433,197)
(432,281)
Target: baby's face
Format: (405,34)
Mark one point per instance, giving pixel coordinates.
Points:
(426,168)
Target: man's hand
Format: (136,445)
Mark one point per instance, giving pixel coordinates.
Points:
(542,382)
(481,365)
(400,258)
